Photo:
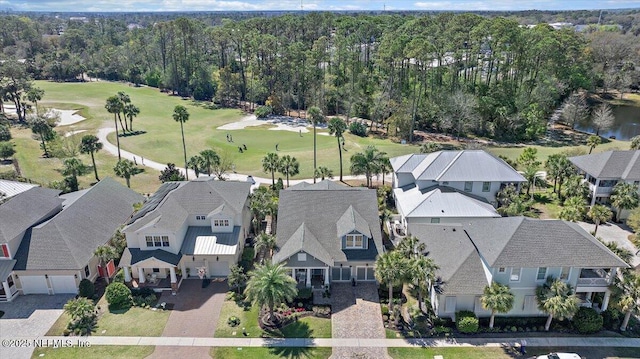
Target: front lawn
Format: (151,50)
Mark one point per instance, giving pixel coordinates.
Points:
(100,351)
(270,353)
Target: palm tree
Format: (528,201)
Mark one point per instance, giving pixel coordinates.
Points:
(324,172)
(316,117)
(126,169)
(557,299)
(624,196)
(422,271)
(635,143)
(497,298)
(337,127)
(384,166)
(90,144)
(181,115)
(390,269)
(125,100)
(73,168)
(565,170)
(210,159)
(131,111)
(270,285)
(599,214)
(271,163)
(196,163)
(411,247)
(289,166)
(367,163)
(629,302)
(265,242)
(105,253)
(574,209)
(79,308)
(114,106)
(593,141)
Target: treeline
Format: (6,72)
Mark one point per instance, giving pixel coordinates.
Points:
(462,73)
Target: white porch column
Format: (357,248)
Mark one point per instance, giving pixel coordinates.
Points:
(141,278)
(7,290)
(326,276)
(308,282)
(605,301)
(172,274)
(595,191)
(206,268)
(127,274)
(183,268)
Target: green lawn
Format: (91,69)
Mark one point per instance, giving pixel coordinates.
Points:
(135,322)
(270,353)
(100,351)
(508,352)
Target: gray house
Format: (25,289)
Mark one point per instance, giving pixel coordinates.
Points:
(602,171)
(519,252)
(327,233)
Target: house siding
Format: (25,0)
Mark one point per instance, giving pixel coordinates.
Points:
(311,262)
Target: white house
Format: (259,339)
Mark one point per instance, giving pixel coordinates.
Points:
(187,229)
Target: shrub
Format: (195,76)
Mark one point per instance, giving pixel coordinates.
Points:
(7,149)
(304,293)
(587,321)
(263,111)
(385,309)
(118,295)
(86,288)
(119,277)
(440,329)
(142,292)
(468,325)
(611,319)
(358,129)
(233,321)
(321,311)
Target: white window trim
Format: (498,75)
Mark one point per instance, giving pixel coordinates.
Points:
(502,270)
(302,257)
(354,246)
(546,270)
(470,187)
(488,189)
(512,273)
(568,274)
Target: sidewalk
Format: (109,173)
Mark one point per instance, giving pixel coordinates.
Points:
(345,342)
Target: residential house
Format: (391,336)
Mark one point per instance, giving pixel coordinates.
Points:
(519,252)
(9,189)
(187,229)
(449,186)
(57,252)
(328,232)
(602,171)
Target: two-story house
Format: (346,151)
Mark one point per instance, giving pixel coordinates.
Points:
(328,232)
(51,239)
(602,171)
(187,229)
(519,252)
(448,186)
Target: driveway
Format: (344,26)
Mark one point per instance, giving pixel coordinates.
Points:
(195,314)
(29,316)
(356,314)
(614,232)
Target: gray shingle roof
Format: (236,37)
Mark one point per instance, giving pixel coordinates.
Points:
(317,212)
(68,240)
(455,166)
(201,240)
(531,243)
(610,164)
(25,210)
(351,221)
(191,198)
(320,186)
(138,255)
(441,202)
(303,240)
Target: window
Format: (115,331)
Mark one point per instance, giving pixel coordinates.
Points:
(165,241)
(542,273)
(149,240)
(468,186)
(636,183)
(4,251)
(450,305)
(354,241)
(486,186)
(502,270)
(515,274)
(200,218)
(221,223)
(302,257)
(435,220)
(156,270)
(157,242)
(87,272)
(564,273)
(10,280)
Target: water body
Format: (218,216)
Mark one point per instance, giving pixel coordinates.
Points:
(625,126)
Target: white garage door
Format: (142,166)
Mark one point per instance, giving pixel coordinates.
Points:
(219,268)
(63,284)
(34,284)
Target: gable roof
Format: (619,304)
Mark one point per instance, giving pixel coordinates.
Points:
(441,202)
(310,220)
(131,256)
(610,165)
(27,209)
(456,166)
(530,243)
(68,240)
(171,205)
(320,186)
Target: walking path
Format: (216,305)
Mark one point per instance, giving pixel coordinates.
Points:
(345,342)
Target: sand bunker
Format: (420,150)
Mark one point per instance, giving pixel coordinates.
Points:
(67,117)
(282,123)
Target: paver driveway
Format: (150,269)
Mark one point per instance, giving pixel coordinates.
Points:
(195,314)
(29,316)
(356,314)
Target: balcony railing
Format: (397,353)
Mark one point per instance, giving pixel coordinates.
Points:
(594,278)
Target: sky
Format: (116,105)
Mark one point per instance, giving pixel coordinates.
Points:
(310,5)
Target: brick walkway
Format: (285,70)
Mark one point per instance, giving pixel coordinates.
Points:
(356,314)
(195,314)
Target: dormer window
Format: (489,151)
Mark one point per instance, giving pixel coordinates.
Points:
(221,223)
(354,241)
(201,218)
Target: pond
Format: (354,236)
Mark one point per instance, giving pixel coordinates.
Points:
(626,125)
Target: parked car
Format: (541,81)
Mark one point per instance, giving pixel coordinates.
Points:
(560,356)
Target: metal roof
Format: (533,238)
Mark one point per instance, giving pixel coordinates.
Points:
(440,202)
(203,241)
(12,188)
